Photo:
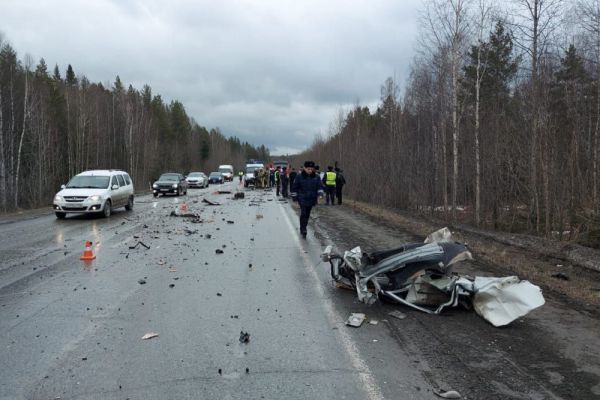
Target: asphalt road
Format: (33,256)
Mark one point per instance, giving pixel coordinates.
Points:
(72,330)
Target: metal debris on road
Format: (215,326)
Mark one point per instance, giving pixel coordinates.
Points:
(230,222)
(223,192)
(211,203)
(355,319)
(171,285)
(244,337)
(142,282)
(450,394)
(373,322)
(397,314)
(149,335)
(239,195)
(219,251)
(139,243)
(259,216)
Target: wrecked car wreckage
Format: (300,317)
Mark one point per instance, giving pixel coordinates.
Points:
(420,276)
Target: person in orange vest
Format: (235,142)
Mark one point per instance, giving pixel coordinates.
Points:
(329,183)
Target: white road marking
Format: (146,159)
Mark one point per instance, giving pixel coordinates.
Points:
(368,381)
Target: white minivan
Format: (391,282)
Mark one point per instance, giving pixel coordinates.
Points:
(96,191)
(226,171)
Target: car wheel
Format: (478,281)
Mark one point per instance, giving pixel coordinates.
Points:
(129,205)
(107,210)
(155,194)
(61,215)
(177,192)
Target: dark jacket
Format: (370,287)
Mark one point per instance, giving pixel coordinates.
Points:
(306,189)
(293,175)
(339,179)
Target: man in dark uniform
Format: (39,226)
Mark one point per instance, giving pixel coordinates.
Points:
(293,176)
(340,181)
(306,189)
(285,182)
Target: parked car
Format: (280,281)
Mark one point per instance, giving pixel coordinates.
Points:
(170,182)
(197,179)
(95,191)
(216,177)
(227,172)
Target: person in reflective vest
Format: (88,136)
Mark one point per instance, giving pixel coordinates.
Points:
(329,183)
(277,181)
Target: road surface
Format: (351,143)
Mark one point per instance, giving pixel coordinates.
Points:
(72,330)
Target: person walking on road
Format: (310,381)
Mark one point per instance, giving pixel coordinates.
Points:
(241,175)
(340,181)
(285,183)
(306,189)
(329,181)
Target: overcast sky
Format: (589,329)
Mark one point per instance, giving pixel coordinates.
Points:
(270,72)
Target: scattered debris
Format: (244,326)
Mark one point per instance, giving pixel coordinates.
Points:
(561,275)
(189,232)
(208,236)
(244,337)
(219,251)
(259,216)
(355,319)
(219,294)
(373,322)
(397,314)
(171,269)
(247,369)
(223,192)
(239,195)
(450,394)
(220,371)
(142,282)
(138,244)
(211,203)
(171,285)
(149,335)
(185,215)
(230,222)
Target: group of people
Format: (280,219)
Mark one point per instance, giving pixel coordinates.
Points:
(311,184)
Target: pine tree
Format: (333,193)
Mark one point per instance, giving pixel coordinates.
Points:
(56,75)
(70,78)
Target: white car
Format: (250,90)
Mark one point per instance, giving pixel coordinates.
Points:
(96,191)
(197,179)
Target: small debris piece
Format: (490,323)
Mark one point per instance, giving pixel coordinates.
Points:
(561,275)
(373,322)
(171,285)
(172,269)
(138,244)
(223,192)
(397,314)
(142,282)
(219,251)
(247,369)
(161,262)
(149,335)
(239,195)
(355,319)
(208,236)
(220,371)
(230,222)
(211,203)
(259,216)
(244,337)
(219,294)
(450,394)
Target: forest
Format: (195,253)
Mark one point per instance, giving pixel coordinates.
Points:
(497,126)
(53,127)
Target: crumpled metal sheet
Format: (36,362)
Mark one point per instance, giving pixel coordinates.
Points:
(502,300)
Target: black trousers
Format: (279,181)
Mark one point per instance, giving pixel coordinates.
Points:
(278,186)
(330,195)
(304,216)
(338,193)
(284,188)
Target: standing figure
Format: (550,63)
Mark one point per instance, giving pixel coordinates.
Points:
(340,181)
(277,181)
(293,175)
(285,183)
(271,177)
(241,175)
(306,189)
(329,181)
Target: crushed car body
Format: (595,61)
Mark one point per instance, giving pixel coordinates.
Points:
(420,276)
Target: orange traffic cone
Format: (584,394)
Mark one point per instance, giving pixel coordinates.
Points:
(184,206)
(88,254)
